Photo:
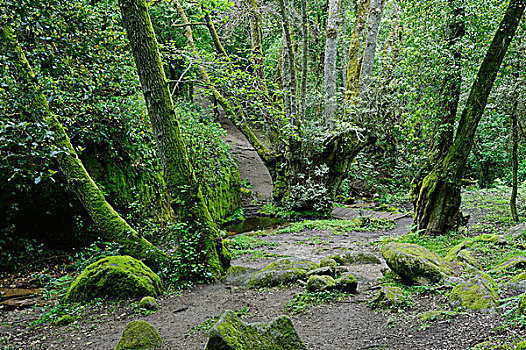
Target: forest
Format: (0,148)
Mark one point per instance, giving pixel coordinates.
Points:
(262,174)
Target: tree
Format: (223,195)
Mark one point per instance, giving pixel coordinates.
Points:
(113,227)
(437,208)
(331,51)
(185,193)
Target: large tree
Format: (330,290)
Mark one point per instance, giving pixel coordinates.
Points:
(112,226)
(437,208)
(183,188)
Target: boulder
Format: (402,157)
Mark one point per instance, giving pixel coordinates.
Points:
(238,275)
(518,262)
(64,321)
(518,283)
(320,283)
(114,277)
(347,283)
(522,305)
(329,262)
(415,264)
(322,271)
(453,252)
(477,293)
(139,335)
(462,256)
(282,271)
(356,258)
(231,333)
(389,296)
(149,303)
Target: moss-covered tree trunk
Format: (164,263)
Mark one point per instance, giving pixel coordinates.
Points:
(113,227)
(184,191)
(437,208)
(329,66)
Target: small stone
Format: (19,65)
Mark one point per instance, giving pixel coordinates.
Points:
(149,303)
(389,296)
(64,320)
(139,335)
(322,271)
(347,283)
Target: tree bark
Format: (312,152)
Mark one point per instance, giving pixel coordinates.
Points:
(438,206)
(256,35)
(113,227)
(331,54)
(355,51)
(183,188)
(305,60)
(375,18)
(515,163)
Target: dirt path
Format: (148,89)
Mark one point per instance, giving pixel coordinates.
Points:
(346,324)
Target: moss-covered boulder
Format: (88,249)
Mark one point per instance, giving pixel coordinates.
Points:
(139,335)
(347,283)
(355,258)
(416,264)
(476,294)
(518,283)
(238,275)
(518,262)
(114,277)
(231,333)
(149,303)
(521,345)
(322,271)
(329,262)
(453,252)
(317,283)
(522,305)
(64,321)
(388,297)
(282,271)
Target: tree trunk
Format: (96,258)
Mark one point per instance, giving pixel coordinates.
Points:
(449,98)
(213,32)
(355,51)
(114,228)
(438,206)
(183,188)
(305,60)
(375,17)
(514,162)
(331,53)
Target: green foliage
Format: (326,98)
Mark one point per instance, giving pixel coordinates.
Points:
(302,302)
(340,226)
(244,244)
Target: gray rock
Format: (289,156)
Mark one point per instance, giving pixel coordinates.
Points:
(477,293)
(389,296)
(360,258)
(347,283)
(139,335)
(149,303)
(416,264)
(239,275)
(282,271)
(320,283)
(231,333)
(518,262)
(321,271)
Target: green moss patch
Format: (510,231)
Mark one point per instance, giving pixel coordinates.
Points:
(114,277)
(231,333)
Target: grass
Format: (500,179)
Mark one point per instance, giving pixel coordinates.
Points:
(339,226)
(240,245)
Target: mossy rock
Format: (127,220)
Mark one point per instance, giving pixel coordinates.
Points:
(522,305)
(282,271)
(322,271)
(238,275)
(435,315)
(149,303)
(357,258)
(518,262)
(521,345)
(64,321)
(231,333)
(490,345)
(139,335)
(347,283)
(518,282)
(475,294)
(329,262)
(388,297)
(416,264)
(115,277)
(452,254)
(317,283)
